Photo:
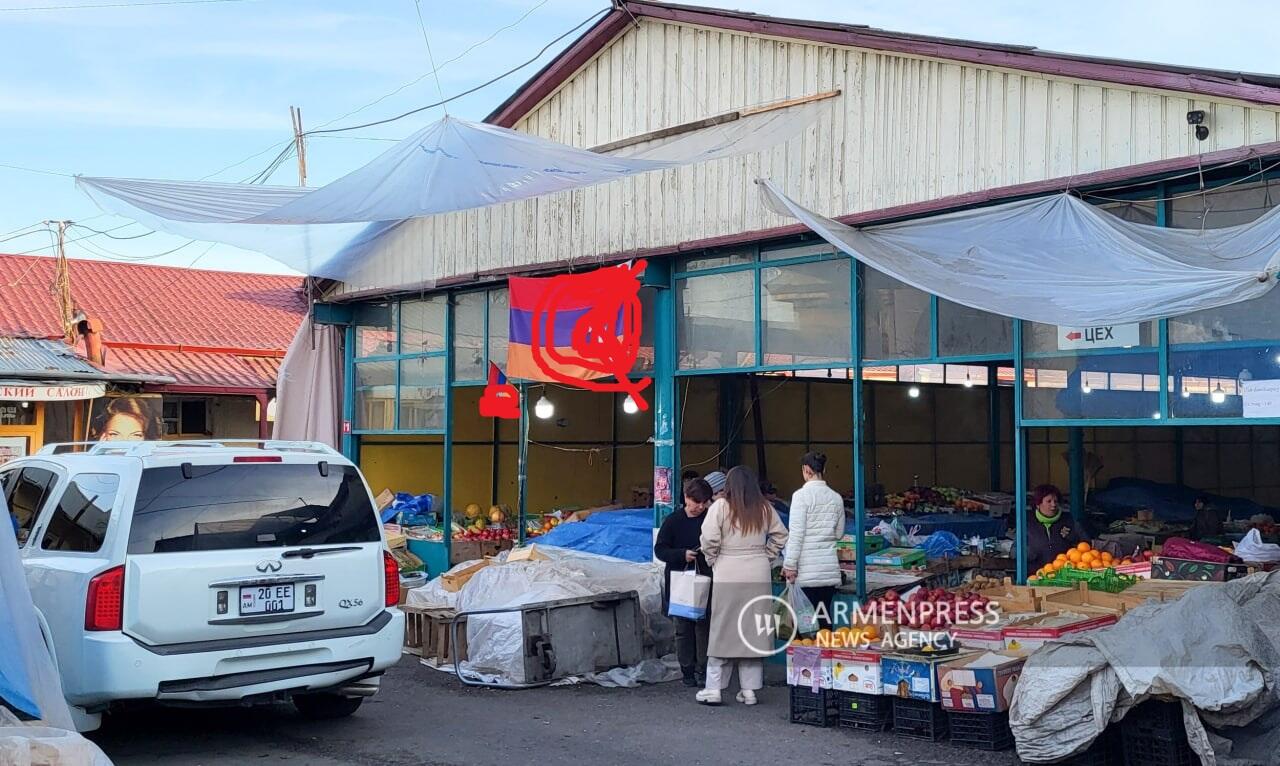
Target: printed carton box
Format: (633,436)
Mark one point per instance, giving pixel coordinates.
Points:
(855,670)
(913,676)
(982,684)
(809,666)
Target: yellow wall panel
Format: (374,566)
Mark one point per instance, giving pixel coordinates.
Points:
(831,411)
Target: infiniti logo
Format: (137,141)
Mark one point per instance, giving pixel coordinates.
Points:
(269,566)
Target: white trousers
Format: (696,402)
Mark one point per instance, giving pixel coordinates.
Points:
(750,674)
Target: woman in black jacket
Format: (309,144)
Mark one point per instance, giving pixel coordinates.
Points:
(1049,530)
(677,546)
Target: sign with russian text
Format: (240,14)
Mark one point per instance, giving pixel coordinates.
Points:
(45,392)
(1261,398)
(1100,336)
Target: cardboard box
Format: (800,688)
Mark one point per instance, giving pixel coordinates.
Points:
(384,498)
(903,558)
(981,684)
(855,671)
(453,581)
(1165,568)
(913,676)
(1032,634)
(529,552)
(990,637)
(809,666)
(845,550)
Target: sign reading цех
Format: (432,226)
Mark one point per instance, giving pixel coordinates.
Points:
(1101,336)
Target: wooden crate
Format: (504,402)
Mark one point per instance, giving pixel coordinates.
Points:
(1086,601)
(437,645)
(415,629)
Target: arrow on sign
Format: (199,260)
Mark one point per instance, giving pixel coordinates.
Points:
(1073,336)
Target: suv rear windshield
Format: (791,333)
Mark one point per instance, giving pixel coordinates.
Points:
(259,505)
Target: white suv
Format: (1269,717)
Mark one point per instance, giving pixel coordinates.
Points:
(207,572)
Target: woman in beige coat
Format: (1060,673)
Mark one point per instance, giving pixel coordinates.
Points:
(741,536)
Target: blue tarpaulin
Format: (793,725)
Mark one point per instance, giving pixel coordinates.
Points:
(1168,502)
(625,534)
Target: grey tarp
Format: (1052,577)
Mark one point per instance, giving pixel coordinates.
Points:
(1216,649)
(309,388)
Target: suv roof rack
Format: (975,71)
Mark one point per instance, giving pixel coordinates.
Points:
(148,448)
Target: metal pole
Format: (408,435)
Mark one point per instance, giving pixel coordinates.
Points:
(993,427)
(665,426)
(446,491)
(522,463)
(1019,458)
(859,481)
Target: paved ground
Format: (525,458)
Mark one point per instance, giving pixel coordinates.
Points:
(423,716)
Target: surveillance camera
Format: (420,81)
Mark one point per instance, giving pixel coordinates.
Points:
(1195,117)
(1202,132)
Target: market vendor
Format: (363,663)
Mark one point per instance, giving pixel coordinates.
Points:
(1208,522)
(677,546)
(1049,531)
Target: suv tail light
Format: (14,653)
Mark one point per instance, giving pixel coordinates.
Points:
(391,571)
(104,606)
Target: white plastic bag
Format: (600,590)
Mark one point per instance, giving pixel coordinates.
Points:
(1251,548)
(690,593)
(806,615)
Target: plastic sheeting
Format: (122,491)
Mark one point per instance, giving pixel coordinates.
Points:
(29,684)
(22,745)
(494,642)
(309,387)
(448,166)
(1217,649)
(1059,260)
(626,535)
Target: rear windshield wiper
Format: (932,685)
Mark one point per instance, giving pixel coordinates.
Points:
(306,553)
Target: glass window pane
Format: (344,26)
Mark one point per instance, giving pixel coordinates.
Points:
(1093,386)
(1225,383)
(79,522)
(796,251)
(1229,206)
(963,331)
(966,375)
(375,396)
(375,329)
(422,325)
(895,323)
(499,327)
(17,413)
(468,336)
(422,393)
(1135,211)
(1050,339)
(806,314)
(716,315)
(644,354)
(735,258)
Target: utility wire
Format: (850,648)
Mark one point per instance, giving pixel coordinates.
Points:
(431,59)
(35,170)
(108,232)
(87,6)
(469,91)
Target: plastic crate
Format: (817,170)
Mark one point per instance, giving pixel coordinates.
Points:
(985,731)
(1153,734)
(1106,750)
(813,708)
(867,712)
(1105,580)
(918,719)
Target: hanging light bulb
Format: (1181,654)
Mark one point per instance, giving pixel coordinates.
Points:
(629,405)
(1218,396)
(1085,388)
(1186,393)
(544,409)
(1155,416)
(914,392)
(968,381)
(26,405)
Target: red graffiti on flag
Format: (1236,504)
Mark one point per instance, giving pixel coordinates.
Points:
(500,398)
(605,339)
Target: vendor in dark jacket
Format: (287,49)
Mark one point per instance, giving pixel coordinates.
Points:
(1049,530)
(677,546)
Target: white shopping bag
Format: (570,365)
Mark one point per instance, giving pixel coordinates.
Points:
(690,593)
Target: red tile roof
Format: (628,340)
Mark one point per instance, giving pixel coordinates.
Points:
(205,328)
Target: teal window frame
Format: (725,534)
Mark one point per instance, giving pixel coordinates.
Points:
(445,353)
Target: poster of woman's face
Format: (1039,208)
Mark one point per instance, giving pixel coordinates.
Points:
(126,418)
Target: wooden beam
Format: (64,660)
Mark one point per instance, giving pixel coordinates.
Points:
(776,105)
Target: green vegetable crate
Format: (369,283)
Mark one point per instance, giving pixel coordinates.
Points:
(1105,580)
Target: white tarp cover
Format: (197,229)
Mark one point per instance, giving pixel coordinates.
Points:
(448,166)
(1059,260)
(309,387)
(494,644)
(1217,649)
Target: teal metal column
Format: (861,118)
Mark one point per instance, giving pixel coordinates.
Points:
(446,492)
(662,394)
(349,448)
(1075,460)
(1019,458)
(522,462)
(859,479)
(993,428)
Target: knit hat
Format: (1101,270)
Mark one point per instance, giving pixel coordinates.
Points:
(716,479)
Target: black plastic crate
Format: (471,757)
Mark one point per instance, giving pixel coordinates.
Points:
(813,708)
(985,731)
(1105,751)
(1153,734)
(868,712)
(919,719)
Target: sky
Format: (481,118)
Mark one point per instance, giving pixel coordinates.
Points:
(202,90)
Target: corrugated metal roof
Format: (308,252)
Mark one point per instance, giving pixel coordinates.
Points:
(31,356)
(212,370)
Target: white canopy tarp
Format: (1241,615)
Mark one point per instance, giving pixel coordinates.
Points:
(309,388)
(1060,260)
(448,166)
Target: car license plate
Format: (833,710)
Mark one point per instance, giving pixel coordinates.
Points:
(266,599)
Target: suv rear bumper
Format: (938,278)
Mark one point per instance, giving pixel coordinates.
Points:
(118,667)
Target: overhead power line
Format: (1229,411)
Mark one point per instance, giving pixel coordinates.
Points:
(146,3)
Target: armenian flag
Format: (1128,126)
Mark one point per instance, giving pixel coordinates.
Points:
(526,296)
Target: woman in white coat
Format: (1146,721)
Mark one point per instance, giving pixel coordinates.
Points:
(817,522)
